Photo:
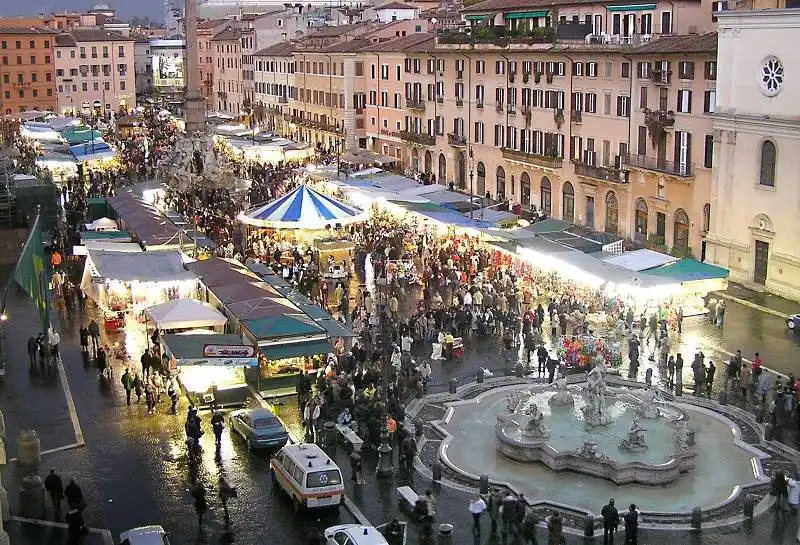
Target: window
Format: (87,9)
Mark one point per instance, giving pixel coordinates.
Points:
(643,70)
(499,68)
(4,44)
(684,101)
(607,104)
(686,70)
(612,213)
(94,52)
(32,44)
(501,184)
(708,152)
(107,85)
(577,68)
(680,240)
(33,59)
(480,67)
(499,136)
(767,174)
(623,106)
(384,71)
(34,77)
(591,103)
(478,137)
(709,102)
(683,152)
(546,202)
(666,22)
(84,86)
(121,51)
(568,203)
(710,70)
(663,99)
(643,97)
(105,51)
(626,70)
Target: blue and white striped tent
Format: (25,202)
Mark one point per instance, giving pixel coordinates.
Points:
(302,208)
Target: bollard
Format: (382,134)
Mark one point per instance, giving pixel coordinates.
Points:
(2,426)
(4,506)
(31,497)
(4,538)
(480,376)
(749,506)
(330,434)
(445,534)
(588,527)
(453,385)
(697,518)
(760,416)
(437,471)
(519,371)
(769,432)
(385,457)
(29,450)
(418,427)
(483,486)
(723,397)
(678,388)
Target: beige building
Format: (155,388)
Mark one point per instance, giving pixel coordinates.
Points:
(94,71)
(228,82)
(754,205)
(274,85)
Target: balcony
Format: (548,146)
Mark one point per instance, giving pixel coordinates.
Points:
(512,109)
(418,138)
(665,119)
(413,104)
(479,104)
(440,99)
(512,76)
(655,164)
(499,107)
(283,100)
(459,74)
(576,116)
(459,102)
(546,161)
(606,174)
(457,140)
(387,132)
(661,77)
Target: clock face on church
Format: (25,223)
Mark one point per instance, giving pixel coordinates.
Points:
(770,76)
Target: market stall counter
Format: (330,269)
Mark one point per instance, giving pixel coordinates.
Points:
(211,368)
(281,363)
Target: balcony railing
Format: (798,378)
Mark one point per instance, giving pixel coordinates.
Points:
(413,104)
(418,138)
(546,161)
(607,174)
(576,116)
(455,139)
(682,170)
(661,77)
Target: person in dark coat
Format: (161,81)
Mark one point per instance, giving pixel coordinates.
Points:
(74,495)
(632,525)
(200,502)
(55,488)
(75,525)
(610,522)
(33,347)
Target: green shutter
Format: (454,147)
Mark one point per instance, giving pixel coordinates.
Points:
(632,7)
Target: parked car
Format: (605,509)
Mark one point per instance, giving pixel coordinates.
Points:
(258,427)
(354,534)
(145,535)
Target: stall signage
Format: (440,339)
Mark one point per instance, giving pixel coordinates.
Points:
(228,351)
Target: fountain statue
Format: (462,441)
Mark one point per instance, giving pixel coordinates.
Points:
(594,411)
(590,450)
(196,160)
(635,439)
(535,426)
(648,408)
(562,398)
(681,435)
(514,400)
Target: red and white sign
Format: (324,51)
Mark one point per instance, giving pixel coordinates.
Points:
(228,351)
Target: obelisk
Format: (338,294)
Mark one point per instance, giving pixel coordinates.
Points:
(193,101)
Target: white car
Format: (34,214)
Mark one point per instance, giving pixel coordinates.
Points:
(354,534)
(144,535)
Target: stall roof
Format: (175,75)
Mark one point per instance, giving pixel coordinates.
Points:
(142,266)
(265,307)
(247,291)
(687,270)
(217,271)
(192,346)
(310,348)
(286,325)
(184,314)
(143,220)
(640,260)
(106,235)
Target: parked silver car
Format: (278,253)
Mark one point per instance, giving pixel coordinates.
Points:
(258,427)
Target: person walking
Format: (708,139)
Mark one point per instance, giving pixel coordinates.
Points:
(33,347)
(74,496)
(780,489)
(610,516)
(146,363)
(555,529)
(218,424)
(94,333)
(75,525)
(83,336)
(200,502)
(55,488)
(671,371)
(172,392)
(632,525)
(495,500)
(128,384)
(529,526)
(744,379)
(710,372)
(476,508)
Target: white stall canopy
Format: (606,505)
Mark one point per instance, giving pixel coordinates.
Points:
(185,313)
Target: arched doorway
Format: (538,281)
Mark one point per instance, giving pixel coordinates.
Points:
(501,184)
(428,162)
(612,213)
(680,236)
(706,229)
(461,170)
(414,159)
(442,170)
(480,190)
(525,190)
(640,227)
(568,203)
(546,202)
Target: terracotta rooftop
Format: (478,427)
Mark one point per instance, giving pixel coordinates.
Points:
(210,23)
(65,40)
(227,34)
(28,30)
(692,43)
(337,30)
(98,35)
(507,5)
(394,5)
(411,43)
(281,49)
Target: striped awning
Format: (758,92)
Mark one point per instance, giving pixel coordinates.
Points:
(302,208)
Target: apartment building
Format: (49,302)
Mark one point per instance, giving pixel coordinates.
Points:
(274,85)
(205,31)
(94,71)
(27,78)
(227,49)
(248,42)
(754,205)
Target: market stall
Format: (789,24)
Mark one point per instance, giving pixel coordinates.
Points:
(211,368)
(335,258)
(183,314)
(129,282)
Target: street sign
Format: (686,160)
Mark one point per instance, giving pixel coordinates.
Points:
(228,351)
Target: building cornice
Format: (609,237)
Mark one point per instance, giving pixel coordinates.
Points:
(788,127)
(760,19)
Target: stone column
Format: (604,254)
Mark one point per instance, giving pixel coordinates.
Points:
(350,140)
(194,103)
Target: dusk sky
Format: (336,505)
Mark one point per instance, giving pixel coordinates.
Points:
(125,8)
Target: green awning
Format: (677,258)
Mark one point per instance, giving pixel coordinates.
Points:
(79,137)
(285,325)
(475,17)
(633,7)
(526,14)
(105,235)
(686,270)
(281,351)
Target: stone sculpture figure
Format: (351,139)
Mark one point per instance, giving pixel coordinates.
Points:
(194,161)
(648,408)
(535,426)
(635,439)
(562,397)
(595,409)
(681,435)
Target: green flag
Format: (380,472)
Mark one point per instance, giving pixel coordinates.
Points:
(28,273)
